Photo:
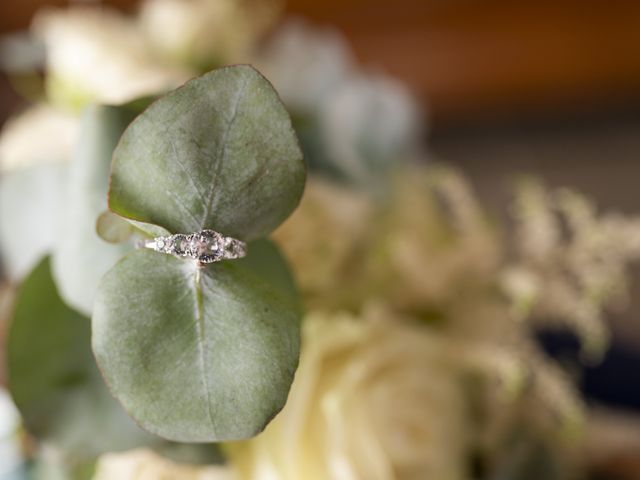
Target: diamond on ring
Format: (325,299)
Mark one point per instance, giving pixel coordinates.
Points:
(206,246)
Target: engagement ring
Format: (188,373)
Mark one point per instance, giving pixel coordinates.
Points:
(206,246)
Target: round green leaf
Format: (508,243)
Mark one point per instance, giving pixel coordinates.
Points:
(195,354)
(54,380)
(218,153)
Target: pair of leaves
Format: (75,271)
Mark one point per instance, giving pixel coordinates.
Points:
(203,354)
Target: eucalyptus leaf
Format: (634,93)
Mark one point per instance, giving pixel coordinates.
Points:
(267,261)
(195,354)
(113,228)
(147,229)
(81,257)
(30,208)
(54,380)
(217,153)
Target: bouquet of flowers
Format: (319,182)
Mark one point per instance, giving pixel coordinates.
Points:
(407,313)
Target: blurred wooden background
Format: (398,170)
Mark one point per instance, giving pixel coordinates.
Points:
(478,57)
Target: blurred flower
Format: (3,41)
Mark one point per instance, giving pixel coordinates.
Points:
(369,122)
(352,124)
(305,64)
(202,34)
(10,451)
(429,252)
(572,263)
(420,248)
(324,239)
(374,398)
(99,55)
(147,465)
(41,134)
(433,249)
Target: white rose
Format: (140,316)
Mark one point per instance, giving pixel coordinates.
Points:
(203,33)
(146,465)
(373,399)
(99,55)
(326,263)
(39,135)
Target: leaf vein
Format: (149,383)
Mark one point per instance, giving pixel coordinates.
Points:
(201,343)
(222,153)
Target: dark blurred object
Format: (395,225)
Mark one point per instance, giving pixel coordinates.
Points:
(612,382)
(470,57)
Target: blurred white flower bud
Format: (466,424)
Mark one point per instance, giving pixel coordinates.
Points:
(41,134)
(205,33)
(98,55)
(368,123)
(305,64)
(146,465)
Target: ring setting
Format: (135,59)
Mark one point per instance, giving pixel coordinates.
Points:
(206,246)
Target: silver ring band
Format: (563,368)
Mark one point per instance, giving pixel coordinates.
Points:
(206,246)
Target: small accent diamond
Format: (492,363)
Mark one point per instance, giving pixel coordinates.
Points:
(177,245)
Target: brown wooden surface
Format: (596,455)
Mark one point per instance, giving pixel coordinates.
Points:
(479,56)
(470,55)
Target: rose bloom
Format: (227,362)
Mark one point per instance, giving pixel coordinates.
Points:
(146,465)
(374,399)
(39,135)
(99,55)
(200,34)
(324,240)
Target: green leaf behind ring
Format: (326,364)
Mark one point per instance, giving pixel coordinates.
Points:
(54,380)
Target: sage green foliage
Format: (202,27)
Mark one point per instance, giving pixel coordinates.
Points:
(54,380)
(266,261)
(80,256)
(112,228)
(219,153)
(198,354)
(30,224)
(195,354)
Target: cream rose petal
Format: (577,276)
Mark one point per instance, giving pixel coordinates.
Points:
(146,465)
(203,33)
(98,54)
(39,135)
